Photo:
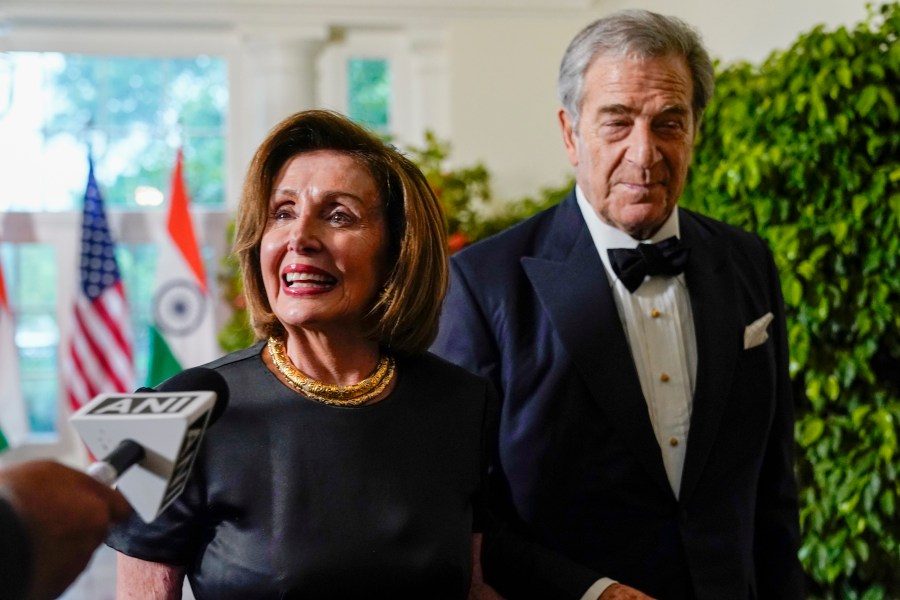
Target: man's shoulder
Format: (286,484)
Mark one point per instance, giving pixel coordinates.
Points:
(522,239)
(446,380)
(710,227)
(437,368)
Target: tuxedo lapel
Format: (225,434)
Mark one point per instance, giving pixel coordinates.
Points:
(570,281)
(711,285)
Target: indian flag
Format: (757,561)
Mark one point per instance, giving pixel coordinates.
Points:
(13,415)
(183,333)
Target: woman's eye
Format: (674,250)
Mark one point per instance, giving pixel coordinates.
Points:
(280,214)
(340,217)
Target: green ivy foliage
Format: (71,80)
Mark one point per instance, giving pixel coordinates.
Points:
(805,150)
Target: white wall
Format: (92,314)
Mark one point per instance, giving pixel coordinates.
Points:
(501,57)
(503,99)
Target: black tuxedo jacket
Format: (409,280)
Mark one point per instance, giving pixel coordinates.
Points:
(578,479)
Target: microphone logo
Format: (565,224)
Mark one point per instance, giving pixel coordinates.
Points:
(150,405)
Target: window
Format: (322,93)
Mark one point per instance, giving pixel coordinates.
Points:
(131,114)
(369,92)
(364,74)
(395,81)
(37,332)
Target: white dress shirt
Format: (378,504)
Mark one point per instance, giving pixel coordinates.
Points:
(659,327)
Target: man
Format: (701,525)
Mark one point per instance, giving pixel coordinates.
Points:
(52,518)
(645,443)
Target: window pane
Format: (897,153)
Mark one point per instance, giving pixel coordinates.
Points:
(132,112)
(30,274)
(369,92)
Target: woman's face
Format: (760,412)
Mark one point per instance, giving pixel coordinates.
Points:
(324,250)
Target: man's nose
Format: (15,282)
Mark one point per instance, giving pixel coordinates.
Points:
(643,150)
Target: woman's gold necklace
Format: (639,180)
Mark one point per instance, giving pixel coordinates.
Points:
(336,395)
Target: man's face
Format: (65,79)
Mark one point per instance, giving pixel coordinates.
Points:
(632,145)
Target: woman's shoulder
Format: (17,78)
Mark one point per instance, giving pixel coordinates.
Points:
(243,370)
(236,357)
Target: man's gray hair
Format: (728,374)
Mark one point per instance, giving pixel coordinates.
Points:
(634,34)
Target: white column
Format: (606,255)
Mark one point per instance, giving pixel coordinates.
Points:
(430,78)
(272,77)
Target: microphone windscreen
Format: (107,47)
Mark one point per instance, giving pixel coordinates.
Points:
(198,379)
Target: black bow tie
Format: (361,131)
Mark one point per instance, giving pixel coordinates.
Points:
(668,257)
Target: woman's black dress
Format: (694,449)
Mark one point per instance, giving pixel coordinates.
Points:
(291,498)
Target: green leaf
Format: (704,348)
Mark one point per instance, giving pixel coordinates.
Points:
(794,293)
(867,99)
(860,203)
(844,75)
(885,421)
(862,549)
(812,431)
(870,492)
(860,525)
(859,413)
(891,105)
(888,502)
(839,230)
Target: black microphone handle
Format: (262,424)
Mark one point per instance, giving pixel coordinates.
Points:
(110,467)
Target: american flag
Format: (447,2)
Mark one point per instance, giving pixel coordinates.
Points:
(99,358)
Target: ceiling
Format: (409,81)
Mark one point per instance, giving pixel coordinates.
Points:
(254,13)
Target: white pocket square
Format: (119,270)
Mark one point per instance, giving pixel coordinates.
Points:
(755,333)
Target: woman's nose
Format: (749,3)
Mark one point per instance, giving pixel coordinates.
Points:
(304,235)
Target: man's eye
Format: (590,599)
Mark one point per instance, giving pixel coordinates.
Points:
(670,126)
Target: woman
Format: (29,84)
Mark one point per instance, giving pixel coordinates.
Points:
(349,461)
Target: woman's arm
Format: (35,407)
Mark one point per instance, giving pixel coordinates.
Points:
(138,579)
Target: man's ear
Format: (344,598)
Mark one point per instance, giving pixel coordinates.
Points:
(570,141)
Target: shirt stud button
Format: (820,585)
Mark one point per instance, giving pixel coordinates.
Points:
(673,442)
(655,313)
(664,377)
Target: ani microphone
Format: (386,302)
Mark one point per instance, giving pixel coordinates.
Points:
(149,439)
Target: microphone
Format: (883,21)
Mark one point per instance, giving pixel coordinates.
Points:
(127,454)
(149,439)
